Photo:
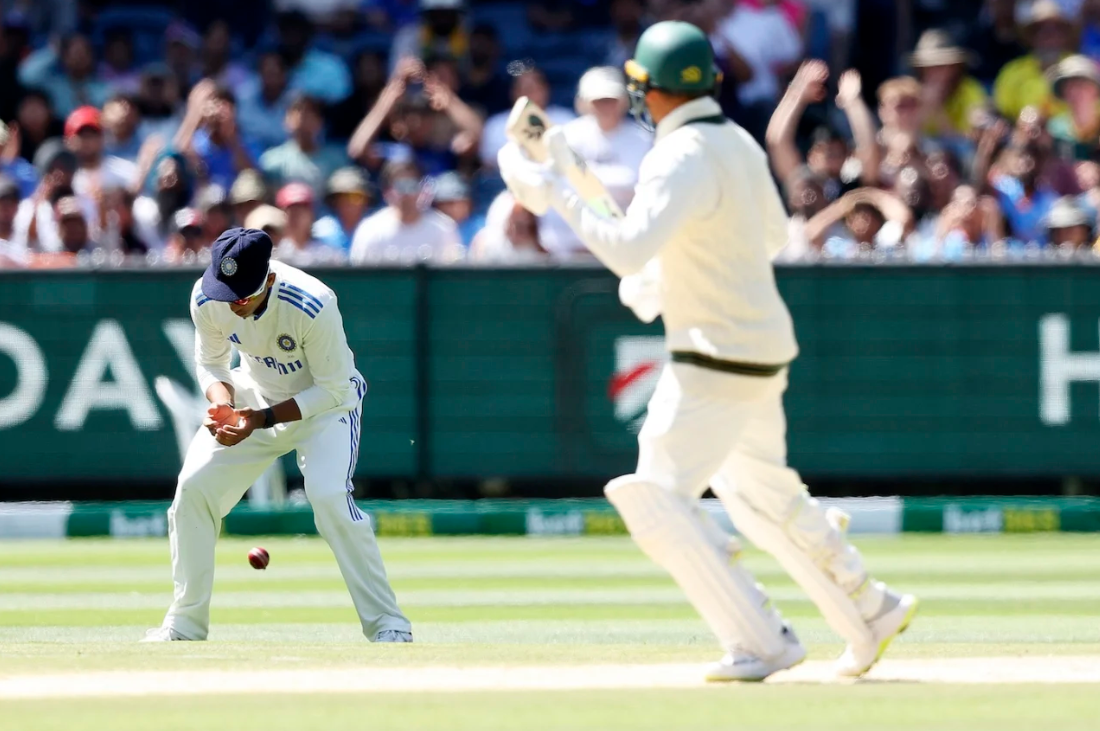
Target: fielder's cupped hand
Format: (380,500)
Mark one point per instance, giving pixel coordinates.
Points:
(219,415)
(239,427)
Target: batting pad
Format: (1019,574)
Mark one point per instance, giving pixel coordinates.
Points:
(726,543)
(807,548)
(726,596)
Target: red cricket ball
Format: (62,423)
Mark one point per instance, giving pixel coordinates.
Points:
(259,558)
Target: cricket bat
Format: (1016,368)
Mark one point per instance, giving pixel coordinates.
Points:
(527,126)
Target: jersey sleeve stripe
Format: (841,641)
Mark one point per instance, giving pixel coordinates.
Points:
(299,305)
(306,302)
(201,300)
(305,294)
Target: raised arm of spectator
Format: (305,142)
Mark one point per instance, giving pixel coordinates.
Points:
(231,135)
(828,217)
(849,98)
(807,87)
(37,67)
(9,153)
(392,92)
(42,193)
(469,122)
(993,220)
(891,207)
(197,100)
(988,144)
(147,157)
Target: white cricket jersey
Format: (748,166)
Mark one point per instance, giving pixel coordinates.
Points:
(707,208)
(296,348)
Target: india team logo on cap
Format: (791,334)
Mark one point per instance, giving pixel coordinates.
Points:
(229,266)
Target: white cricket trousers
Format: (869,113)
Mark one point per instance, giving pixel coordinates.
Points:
(215,477)
(729,431)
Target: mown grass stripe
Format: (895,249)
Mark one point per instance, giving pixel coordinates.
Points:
(529,596)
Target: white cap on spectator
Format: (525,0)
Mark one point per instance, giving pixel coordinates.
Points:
(1041,11)
(601,82)
(188,218)
(265,217)
(1067,212)
(1073,67)
(247,188)
(935,48)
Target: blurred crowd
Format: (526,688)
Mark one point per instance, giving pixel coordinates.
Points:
(960,158)
(365,132)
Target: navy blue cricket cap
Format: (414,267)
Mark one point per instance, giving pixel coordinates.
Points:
(239,262)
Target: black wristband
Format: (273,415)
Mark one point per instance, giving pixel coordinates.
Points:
(269,418)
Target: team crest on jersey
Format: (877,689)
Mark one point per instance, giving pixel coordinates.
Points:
(229,266)
(286,343)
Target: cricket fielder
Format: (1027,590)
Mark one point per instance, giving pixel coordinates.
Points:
(707,211)
(297,388)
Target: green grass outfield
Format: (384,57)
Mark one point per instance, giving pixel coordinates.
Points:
(564,606)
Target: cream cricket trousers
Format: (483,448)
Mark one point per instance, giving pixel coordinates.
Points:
(729,431)
(215,477)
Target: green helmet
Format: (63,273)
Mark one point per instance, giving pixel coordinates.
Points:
(673,56)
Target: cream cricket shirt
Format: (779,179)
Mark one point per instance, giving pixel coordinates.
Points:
(706,207)
(295,349)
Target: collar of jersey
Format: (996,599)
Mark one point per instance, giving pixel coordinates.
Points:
(267,301)
(704,106)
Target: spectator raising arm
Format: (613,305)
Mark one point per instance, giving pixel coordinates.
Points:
(807,88)
(989,144)
(892,208)
(443,99)
(849,99)
(969,219)
(368,129)
(14,166)
(210,137)
(147,157)
(201,95)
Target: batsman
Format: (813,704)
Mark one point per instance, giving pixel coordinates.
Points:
(704,224)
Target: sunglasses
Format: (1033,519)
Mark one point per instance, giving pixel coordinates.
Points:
(254,295)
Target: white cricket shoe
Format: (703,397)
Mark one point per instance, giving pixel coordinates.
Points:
(897,612)
(743,666)
(393,635)
(162,634)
